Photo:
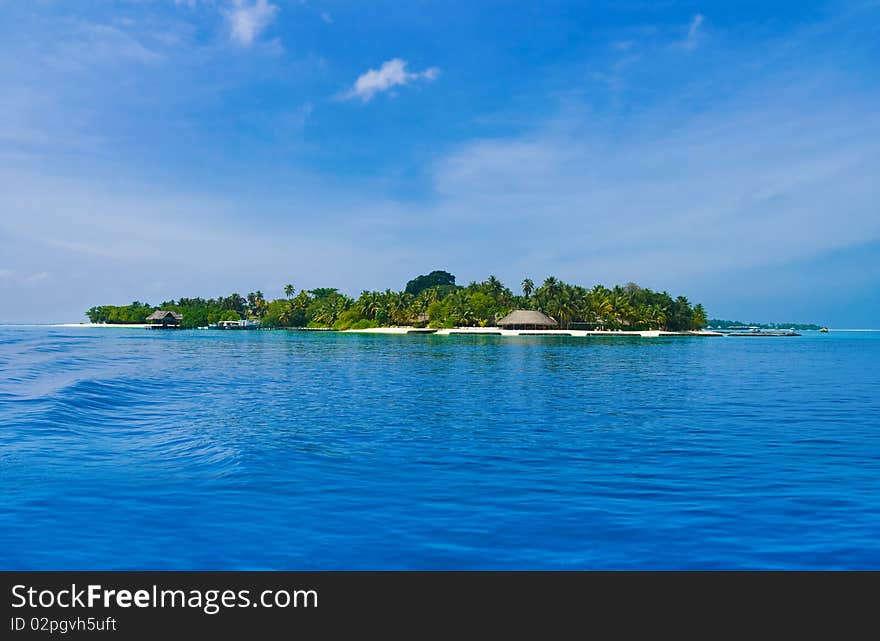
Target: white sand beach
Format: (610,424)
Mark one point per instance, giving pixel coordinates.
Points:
(497,331)
(104,325)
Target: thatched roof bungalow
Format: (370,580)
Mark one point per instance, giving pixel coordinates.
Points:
(527,319)
(163,318)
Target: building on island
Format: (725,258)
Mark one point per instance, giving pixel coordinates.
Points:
(421,319)
(527,319)
(164,319)
(238,324)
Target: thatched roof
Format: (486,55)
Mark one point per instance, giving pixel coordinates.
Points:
(161,314)
(527,317)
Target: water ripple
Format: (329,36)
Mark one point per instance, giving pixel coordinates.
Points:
(134,449)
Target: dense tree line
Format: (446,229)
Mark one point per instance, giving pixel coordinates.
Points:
(434,300)
(197,312)
(137,312)
(717,323)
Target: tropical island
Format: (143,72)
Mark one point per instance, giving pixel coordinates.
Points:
(431,300)
(715,323)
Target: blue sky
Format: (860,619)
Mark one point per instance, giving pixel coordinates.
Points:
(156,149)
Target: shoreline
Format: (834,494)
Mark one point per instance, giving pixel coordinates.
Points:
(103,325)
(403,330)
(497,331)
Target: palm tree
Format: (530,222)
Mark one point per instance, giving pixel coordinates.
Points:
(653,316)
(600,303)
(494,285)
(286,315)
(551,284)
(256,303)
(462,314)
(421,303)
(580,301)
(699,317)
(547,296)
(565,306)
(368,304)
(527,288)
(426,297)
(330,309)
(289,290)
(622,312)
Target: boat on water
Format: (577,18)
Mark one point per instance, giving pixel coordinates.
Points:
(824,330)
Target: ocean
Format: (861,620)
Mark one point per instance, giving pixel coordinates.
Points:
(137,449)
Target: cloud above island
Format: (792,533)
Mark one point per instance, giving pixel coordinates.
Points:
(247,20)
(392,73)
(693,34)
(148,158)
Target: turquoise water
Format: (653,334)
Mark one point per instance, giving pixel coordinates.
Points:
(283,450)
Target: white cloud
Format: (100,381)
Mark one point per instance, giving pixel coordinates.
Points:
(391,74)
(693,34)
(37,277)
(6,273)
(655,203)
(92,45)
(677,203)
(247,21)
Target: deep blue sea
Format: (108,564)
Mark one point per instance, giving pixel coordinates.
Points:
(136,449)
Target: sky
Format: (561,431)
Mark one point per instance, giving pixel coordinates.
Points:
(729,152)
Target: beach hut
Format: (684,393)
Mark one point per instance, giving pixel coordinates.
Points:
(421,319)
(527,319)
(164,319)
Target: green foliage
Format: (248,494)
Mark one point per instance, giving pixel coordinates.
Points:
(289,312)
(325,307)
(716,323)
(347,319)
(135,313)
(364,324)
(256,305)
(437,278)
(434,300)
(698,320)
(197,312)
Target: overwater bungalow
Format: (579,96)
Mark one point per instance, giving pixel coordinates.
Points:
(527,319)
(164,319)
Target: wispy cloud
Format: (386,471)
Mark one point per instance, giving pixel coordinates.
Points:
(248,20)
(675,184)
(682,204)
(93,44)
(392,73)
(10,275)
(693,35)
(693,192)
